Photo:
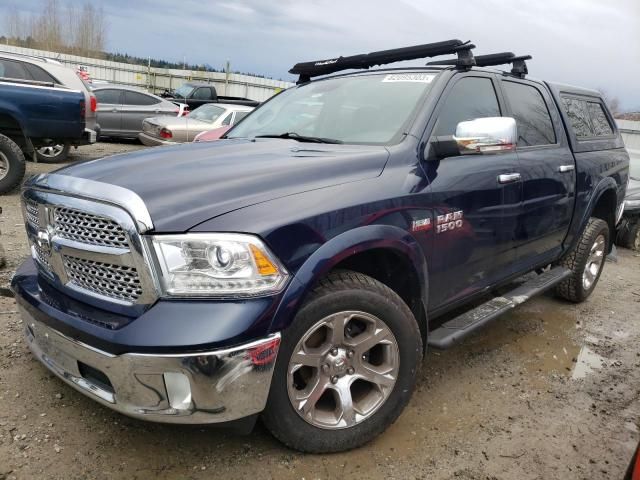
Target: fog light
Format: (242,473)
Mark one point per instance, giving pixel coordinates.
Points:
(178,390)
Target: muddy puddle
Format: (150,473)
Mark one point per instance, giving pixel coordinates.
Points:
(543,339)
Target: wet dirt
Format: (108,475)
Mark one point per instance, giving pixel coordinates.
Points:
(548,391)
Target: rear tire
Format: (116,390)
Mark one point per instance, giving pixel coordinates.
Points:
(53,153)
(586,262)
(357,390)
(629,237)
(12,165)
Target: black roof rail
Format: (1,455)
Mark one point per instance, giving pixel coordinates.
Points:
(519,67)
(308,70)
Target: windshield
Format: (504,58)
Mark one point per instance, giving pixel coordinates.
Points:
(370,109)
(183,91)
(206,113)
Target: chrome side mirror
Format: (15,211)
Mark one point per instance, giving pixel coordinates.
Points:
(486,135)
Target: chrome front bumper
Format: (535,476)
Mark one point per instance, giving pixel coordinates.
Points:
(208,387)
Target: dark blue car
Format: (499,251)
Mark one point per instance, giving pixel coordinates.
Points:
(299,268)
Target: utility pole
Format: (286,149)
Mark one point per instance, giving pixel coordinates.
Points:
(226,78)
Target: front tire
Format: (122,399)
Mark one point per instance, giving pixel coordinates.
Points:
(346,368)
(12,165)
(586,262)
(629,236)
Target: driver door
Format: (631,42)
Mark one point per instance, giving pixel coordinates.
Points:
(475,198)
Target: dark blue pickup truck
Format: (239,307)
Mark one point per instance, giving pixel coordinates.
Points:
(43,104)
(299,268)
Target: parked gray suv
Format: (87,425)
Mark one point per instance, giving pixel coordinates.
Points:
(122,109)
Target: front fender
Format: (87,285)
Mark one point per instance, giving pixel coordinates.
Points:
(330,254)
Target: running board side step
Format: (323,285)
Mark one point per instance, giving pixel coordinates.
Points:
(453,331)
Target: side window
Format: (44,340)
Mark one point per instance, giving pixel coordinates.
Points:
(587,118)
(108,96)
(140,99)
(12,69)
(240,116)
(470,98)
(227,119)
(578,116)
(531,113)
(39,74)
(202,93)
(601,125)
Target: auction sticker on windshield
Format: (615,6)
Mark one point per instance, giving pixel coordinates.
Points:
(409,77)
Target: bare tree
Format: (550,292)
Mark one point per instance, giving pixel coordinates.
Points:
(84,31)
(14,24)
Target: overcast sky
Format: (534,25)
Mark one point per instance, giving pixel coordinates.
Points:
(592,43)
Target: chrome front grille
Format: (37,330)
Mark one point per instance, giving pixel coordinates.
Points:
(91,249)
(114,281)
(84,227)
(31,209)
(42,256)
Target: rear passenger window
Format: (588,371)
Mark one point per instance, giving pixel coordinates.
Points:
(587,118)
(134,98)
(108,97)
(38,74)
(470,98)
(531,114)
(12,69)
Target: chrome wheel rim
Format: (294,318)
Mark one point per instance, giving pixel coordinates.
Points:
(594,262)
(343,370)
(51,151)
(4,166)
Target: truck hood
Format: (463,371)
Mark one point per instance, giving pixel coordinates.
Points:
(185,185)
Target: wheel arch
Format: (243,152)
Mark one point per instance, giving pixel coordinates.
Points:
(11,126)
(602,204)
(387,253)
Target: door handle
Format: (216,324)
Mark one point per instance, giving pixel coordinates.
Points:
(509,178)
(115,110)
(566,168)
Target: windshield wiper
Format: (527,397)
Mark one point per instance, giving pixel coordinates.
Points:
(301,138)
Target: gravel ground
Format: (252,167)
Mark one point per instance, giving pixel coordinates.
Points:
(549,391)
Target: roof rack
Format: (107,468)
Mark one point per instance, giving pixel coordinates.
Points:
(308,70)
(519,67)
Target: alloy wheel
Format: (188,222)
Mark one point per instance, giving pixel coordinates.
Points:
(343,370)
(51,151)
(594,262)
(4,166)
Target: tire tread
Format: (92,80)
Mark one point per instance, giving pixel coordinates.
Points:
(17,165)
(571,288)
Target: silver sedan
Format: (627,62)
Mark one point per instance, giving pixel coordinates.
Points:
(167,131)
(122,109)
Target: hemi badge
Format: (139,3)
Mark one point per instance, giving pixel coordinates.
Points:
(421,225)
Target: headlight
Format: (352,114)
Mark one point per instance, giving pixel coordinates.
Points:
(217,264)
